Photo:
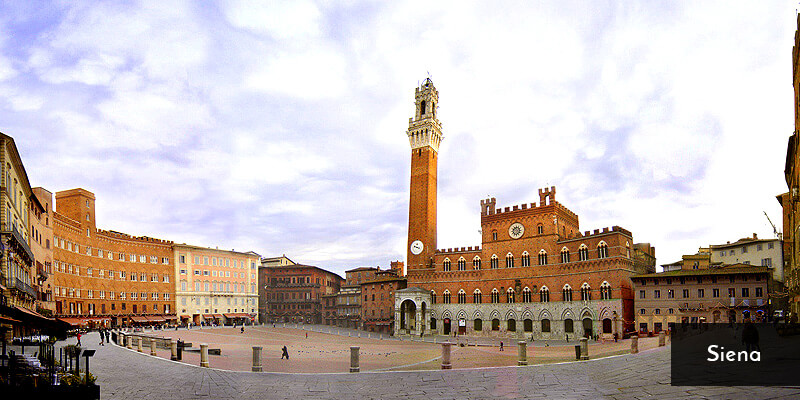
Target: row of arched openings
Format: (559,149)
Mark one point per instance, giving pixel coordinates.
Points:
(525,260)
(527,294)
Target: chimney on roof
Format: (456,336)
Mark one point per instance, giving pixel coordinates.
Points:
(755,236)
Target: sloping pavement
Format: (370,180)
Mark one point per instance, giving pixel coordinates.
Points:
(126,374)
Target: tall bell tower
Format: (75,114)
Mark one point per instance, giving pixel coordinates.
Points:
(424,135)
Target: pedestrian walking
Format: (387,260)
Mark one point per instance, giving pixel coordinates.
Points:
(79,338)
(108,336)
(501,345)
(243,330)
(306,335)
(101,337)
(285,353)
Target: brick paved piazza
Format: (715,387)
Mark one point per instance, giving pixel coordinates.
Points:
(126,374)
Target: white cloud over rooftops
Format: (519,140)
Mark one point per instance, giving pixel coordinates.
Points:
(280,127)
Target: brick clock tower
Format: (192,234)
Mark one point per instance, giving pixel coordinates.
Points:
(424,135)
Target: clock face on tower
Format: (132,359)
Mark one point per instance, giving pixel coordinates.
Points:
(416,247)
(516,230)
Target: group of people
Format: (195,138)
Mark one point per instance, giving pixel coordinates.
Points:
(104,334)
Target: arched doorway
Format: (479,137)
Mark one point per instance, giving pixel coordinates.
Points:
(446,326)
(495,324)
(606,325)
(527,325)
(587,328)
(512,325)
(408,315)
(462,326)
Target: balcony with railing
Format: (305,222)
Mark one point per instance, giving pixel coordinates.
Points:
(24,287)
(17,240)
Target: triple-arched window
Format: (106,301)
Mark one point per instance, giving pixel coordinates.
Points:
(544,294)
(542,257)
(602,250)
(510,295)
(564,254)
(433,297)
(495,296)
(509,260)
(526,295)
(494,262)
(462,264)
(477,297)
(605,291)
(476,263)
(446,296)
(526,259)
(446,264)
(583,253)
(586,292)
(567,292)
(462,296)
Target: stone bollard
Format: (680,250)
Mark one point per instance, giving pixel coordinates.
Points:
(121,339)
(204,355)
(662,339)
(130,342)
(354,359)
(584,349)
(173,345)
(522,353)
(139,344)
(152,347)
(446,355)
(256,358)
(634,344)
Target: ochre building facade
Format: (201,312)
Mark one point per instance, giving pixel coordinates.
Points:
(535,273)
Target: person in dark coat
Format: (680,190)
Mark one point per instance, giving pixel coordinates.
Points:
(285,353)
(750,337)
(101,337)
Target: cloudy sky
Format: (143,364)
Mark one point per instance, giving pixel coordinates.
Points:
(280,127)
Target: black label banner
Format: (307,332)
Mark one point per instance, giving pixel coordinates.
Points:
(744,354)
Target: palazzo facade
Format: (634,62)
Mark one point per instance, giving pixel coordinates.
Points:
(535,273)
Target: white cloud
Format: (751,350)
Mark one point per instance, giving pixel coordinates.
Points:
(281,126)
(281,20)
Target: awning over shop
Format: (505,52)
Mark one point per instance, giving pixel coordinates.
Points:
(186,317)
(208,316)
(74,321)
(230,316)
(217,316)
(171,317)
(142,320)
(12,321)
(156,318)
